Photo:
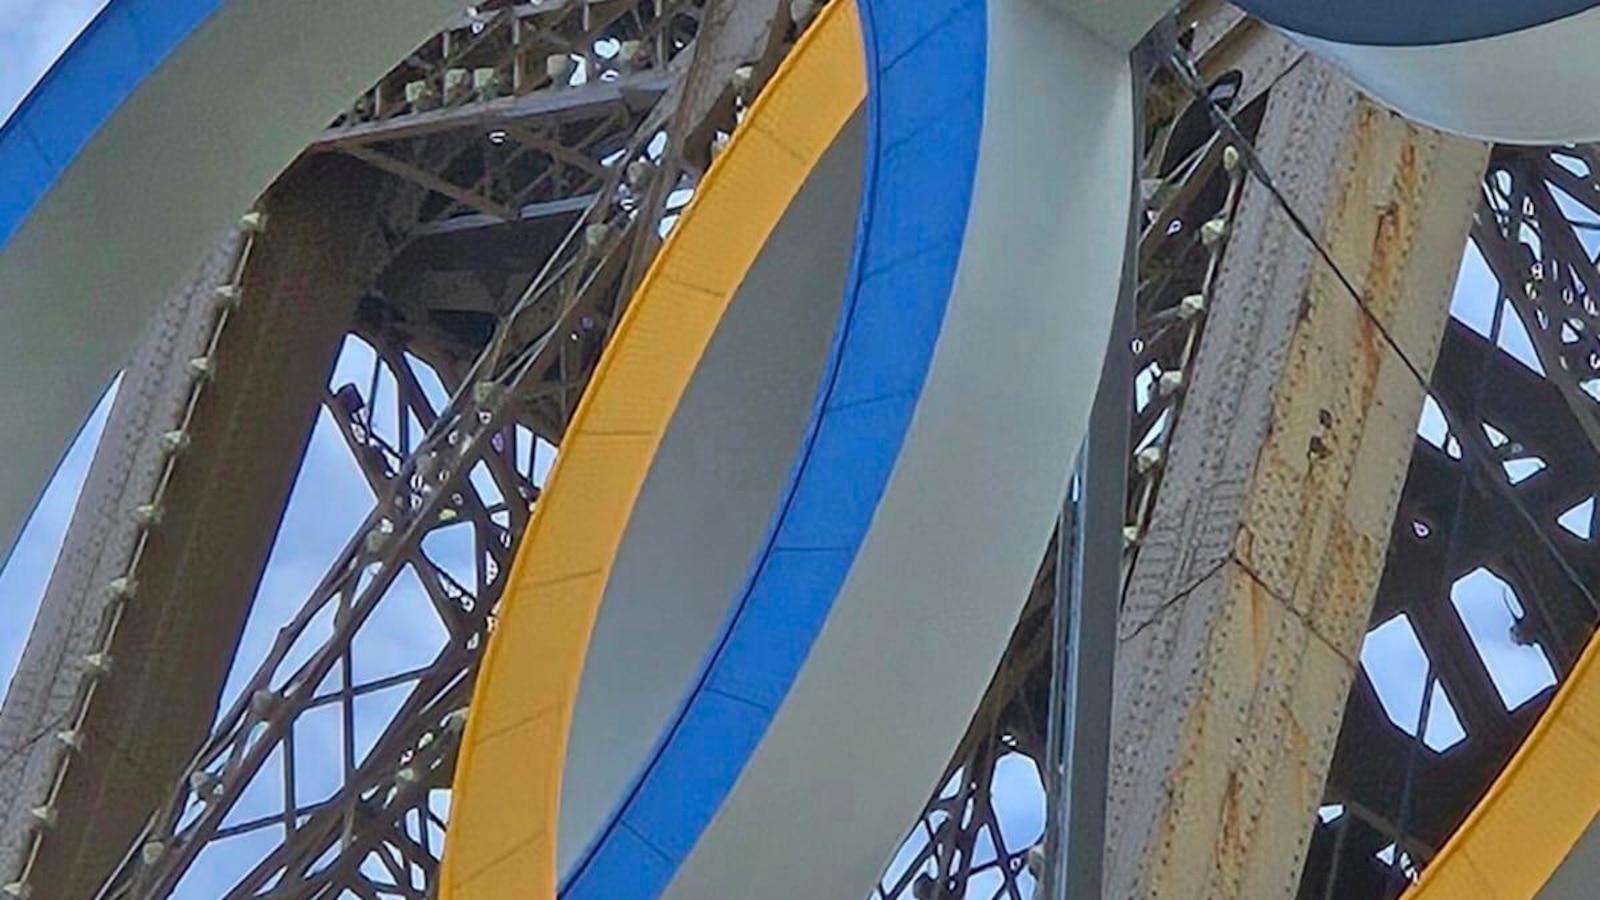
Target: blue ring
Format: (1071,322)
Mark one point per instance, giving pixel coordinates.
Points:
(1411,23)
(925,75)
(925,69)
(118,50)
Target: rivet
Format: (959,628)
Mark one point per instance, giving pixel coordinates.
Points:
(456,720)
(742,77)
(175,442)
(1148,459)
(264,704)
(151,852)
(206,785)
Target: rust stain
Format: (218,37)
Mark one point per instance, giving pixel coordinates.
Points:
(1258,622)
(1232,836)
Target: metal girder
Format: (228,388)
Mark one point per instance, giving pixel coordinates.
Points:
(458,468)
(377,834)
(960,847)
(174,577)
(593,122)
(553,104)
(1252,587)
(1503,400)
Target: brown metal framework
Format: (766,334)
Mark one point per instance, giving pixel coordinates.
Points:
(1191,180)
(539,199)
(538,194)
(444,123)
(1513,405)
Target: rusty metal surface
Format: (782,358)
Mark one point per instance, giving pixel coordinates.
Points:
(1257,519)
(1252,587)
(962,845)
(43,698)
(1505,400)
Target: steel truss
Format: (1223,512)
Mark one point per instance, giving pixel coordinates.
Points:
(1513,450)
(486,121)
(1191,180)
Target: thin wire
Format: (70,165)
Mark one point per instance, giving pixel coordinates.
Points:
(1188,75)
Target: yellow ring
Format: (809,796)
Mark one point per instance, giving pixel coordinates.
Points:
(1536,811)
(507,791)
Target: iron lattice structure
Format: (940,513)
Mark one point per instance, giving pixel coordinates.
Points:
(500,145)
(465,465)
(1499,491)
(1191,179)
(554,144)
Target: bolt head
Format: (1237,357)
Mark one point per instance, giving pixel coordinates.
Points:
(175,442)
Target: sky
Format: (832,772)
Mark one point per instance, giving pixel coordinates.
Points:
(330,498)
(32,35)
(328,502)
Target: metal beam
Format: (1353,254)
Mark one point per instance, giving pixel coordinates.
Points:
(567,206)
(432,182)
(549,106)
(191,532)
(1252,588)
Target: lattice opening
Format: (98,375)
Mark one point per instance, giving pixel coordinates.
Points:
(1491,613)
(1433,428)
(1399,670)
(1578,521)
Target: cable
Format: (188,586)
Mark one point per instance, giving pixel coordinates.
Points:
(1186,73)
(1476,465)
